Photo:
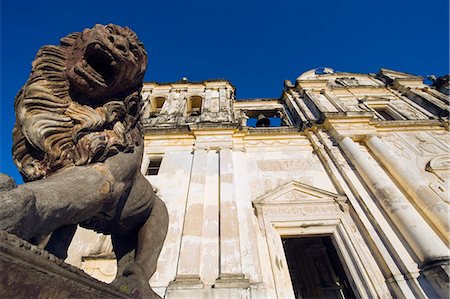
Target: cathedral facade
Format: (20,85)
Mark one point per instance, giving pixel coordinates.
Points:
(337,189)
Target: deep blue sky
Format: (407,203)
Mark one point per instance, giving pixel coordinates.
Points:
(254,44)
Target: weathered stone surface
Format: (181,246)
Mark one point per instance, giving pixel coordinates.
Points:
(30,272)
(6,182)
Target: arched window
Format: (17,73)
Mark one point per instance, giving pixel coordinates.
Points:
(194,105)
(266,118)
(157,104)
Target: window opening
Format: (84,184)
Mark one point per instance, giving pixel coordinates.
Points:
(264,118)
(262,121)
(158,103)
(384,113)
(195,106)
(154,165)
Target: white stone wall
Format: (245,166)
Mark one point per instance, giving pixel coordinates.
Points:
(379,189)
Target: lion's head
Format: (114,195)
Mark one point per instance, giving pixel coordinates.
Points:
(104,61)
(81,103)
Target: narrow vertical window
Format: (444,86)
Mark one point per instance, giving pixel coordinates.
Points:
(154,165)
(384,113)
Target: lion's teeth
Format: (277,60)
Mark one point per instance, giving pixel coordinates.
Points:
(97,47)
(113,63)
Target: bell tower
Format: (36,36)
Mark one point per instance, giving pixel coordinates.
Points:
(184,103)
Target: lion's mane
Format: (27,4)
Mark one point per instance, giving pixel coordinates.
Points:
(53,131)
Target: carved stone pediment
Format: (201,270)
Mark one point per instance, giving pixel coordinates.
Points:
(298,193)
(396,74)
(299,203)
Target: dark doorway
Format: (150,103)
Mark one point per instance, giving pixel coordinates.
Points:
(315,268)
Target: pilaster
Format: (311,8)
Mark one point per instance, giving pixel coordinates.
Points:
(209,267)
(230,270)
(190,249)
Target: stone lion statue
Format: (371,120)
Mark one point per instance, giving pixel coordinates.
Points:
(78,144)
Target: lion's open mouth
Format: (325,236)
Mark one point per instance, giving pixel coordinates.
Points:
(98,65)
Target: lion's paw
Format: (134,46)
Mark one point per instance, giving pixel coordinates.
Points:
(134,282)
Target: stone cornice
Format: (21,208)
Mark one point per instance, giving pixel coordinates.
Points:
(409,125)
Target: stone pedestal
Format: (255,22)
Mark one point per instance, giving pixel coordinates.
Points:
(188,282)
(232,281)
(186,286)
(231,286)
(30,272)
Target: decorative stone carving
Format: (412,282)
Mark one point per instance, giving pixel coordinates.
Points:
(346,81)
(81,103)
(440,166)
(278,142)
(286,165)
(443,138)
(299,193)
(398,145)
(424,146)
(302,211)
(78,143)
(407,110)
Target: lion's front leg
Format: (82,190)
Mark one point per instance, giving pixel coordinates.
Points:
(151,237)
(137,252)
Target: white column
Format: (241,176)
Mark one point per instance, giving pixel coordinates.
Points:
(423,241)
(414,184)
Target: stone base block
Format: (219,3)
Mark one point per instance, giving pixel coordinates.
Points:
(231,286)
(186,282)
(234,281)
(226,286)
(186,286)
(30,272)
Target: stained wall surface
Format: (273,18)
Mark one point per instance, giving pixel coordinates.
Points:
(362,159)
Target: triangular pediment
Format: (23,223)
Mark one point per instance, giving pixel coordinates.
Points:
(296,192)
